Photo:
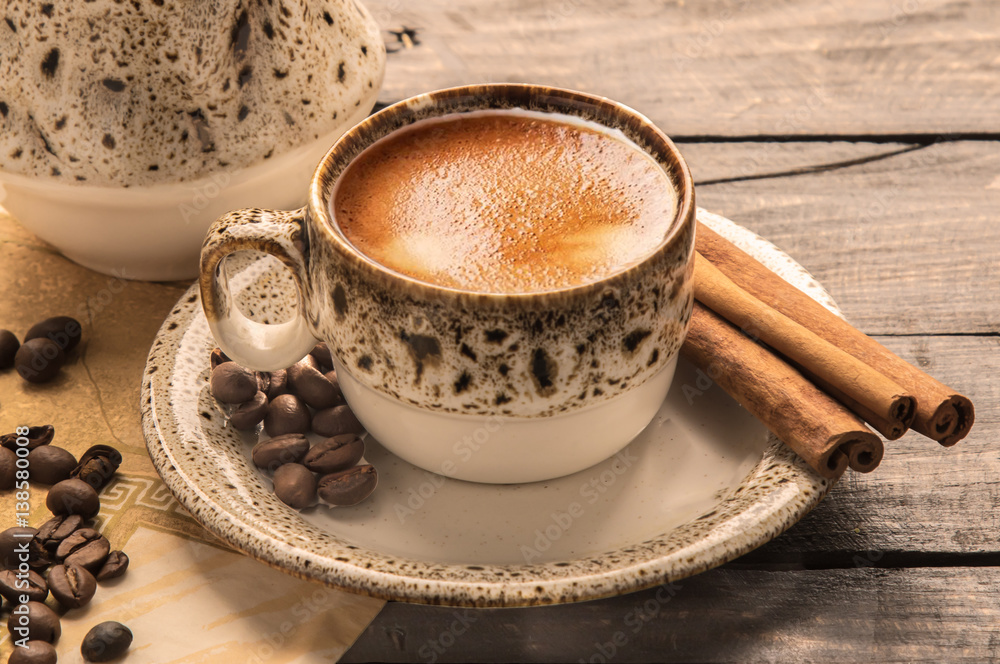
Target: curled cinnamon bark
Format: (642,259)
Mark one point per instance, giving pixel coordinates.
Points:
(819,429)
(810,353)
(941,413)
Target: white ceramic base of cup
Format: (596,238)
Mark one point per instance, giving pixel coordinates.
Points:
(501,449)
(155,233)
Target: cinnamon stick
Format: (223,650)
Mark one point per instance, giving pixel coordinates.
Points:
(942,414)
(819,429)
(878,396)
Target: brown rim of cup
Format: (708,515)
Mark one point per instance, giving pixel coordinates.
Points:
(637,127)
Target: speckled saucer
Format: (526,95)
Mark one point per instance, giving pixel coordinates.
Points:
(702,485)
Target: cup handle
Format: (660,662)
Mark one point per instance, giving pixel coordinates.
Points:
(264,347)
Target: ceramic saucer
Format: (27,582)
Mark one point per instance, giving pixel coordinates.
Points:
(703,484)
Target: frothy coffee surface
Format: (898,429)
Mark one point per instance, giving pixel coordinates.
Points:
(504,202)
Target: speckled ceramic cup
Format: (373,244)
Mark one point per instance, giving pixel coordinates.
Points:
(484,387)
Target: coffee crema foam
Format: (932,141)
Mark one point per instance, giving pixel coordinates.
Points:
(505,202)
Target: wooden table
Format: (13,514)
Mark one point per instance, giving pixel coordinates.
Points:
(861,138)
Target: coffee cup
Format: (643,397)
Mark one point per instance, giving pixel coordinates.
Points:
(504,380)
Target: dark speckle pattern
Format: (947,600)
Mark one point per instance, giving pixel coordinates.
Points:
(201,461)
(136,69)
(540,351)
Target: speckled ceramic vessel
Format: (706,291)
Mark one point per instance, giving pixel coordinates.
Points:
(700,486)
(127,127)
(427,367)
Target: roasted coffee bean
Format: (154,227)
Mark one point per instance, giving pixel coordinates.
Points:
(288,448)
(295,485)
(114,566)
(348,487)
(321,353)
(33,585)
(231,383)
(39,360)
(97,466)
(278,384)
(246,416)
(334,454)
(85,547)
(8,469)
(73,496)
(36,437)
(218,357)
(36,621)
(312,387)
(13,545)
(45,542)
(34,652)
(286,414)
(63,330)
(336,421)
(49,464)
(263,381)
(8,348)
(106,641)
(72,585)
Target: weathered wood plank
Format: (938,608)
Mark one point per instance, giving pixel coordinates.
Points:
(851,615)
(907,245)
(723,67)
(923,498)
(728,160)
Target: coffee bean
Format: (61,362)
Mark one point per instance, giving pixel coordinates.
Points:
(8,469)
(106,641)
(63,330)
(312,387)
(114,566)
(8,348)
(72,585)
(45,542)
(49,464)
(73,496)
(247,415)
(36,621)
(348,487)
(333,454)
(218,357)
(231,383)
(85,547)
(36,437)
(295,485)
(39,360)
(12,545)
(263,381)
(288,448)
(97,466)
(286,414)
(321,353)
(336,421)
(34,652)
(13,586)
(278,384)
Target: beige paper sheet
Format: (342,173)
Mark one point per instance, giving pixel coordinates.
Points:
(186,596)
